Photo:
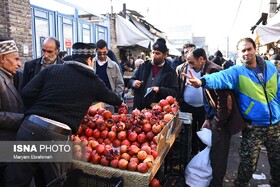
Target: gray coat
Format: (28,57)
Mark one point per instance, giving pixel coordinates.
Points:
(11,108)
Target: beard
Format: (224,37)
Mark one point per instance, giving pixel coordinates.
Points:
(158,62)
(49,60)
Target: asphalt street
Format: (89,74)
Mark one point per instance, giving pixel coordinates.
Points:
(262,171)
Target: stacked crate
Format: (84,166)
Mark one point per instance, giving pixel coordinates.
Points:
(180,153)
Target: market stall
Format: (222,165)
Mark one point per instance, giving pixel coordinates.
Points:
(138,148)
(131,178)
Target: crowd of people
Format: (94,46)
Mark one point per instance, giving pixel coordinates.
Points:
(48,100)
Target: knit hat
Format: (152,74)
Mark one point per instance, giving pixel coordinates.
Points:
(219,54)
(7,45)
(83,50)
(160,45)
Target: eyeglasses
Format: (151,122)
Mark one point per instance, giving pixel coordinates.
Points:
(47,51)
(102,54)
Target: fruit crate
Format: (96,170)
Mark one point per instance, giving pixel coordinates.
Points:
(130,178)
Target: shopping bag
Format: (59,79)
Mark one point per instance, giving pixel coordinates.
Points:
(198,172)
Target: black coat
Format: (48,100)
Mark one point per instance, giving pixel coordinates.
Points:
(168,85)
(32,68)
(64,92)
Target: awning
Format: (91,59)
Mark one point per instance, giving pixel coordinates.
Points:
(266,34)
(143,29)
(129,35)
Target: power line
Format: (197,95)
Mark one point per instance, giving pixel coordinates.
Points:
(236,15)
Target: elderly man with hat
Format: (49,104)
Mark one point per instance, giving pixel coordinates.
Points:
(11,104)
(154,79)
(57,100)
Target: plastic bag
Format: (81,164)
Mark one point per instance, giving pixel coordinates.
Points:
(198,172)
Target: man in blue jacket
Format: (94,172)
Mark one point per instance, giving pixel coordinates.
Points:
(256,85)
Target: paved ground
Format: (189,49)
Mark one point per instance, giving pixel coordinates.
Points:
(233,161)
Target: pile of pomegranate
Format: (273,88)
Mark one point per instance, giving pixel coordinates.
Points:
(124,141)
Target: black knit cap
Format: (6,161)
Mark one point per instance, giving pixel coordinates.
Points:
(83,50)
(219,54)
(160,45)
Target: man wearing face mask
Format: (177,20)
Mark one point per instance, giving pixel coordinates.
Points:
(50,50)
(154,75)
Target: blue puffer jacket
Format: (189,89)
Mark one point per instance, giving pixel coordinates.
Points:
(259,104)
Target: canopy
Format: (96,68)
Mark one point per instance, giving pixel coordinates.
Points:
(269,33)
(128,35)
(143,29)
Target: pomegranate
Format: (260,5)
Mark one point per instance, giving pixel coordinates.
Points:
(93,143)
(150,135)
(141,138)
(168,117)
(100,148)
(116,143)
(90,124)
(104,161)
(122,135)
(134,159)
(132,166)
(122,110)
(154,183)
(100,110)
(92,111)
(148,115)
(163,103)
(133,149)
(170,99)
(125,156)
(126,142)
(123,149)
(142,167)
(132,136)
(135,112)
(112,135)
(95,158)
(104,134)
(84,142)
(141,155)
(78,155)
(156,128)
(157,108)
(96,133)
(122,164)
(88,132)
(107,114)
(147,127)
(167,108)
(147,149)
(154,153)
(114,163)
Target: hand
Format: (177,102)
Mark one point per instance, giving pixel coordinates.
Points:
(206,124)
(192,80)
(137,83)
(156,89)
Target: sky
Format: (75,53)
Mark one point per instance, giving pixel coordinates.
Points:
(217,20)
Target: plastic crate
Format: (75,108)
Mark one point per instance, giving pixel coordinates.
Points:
(78,178)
